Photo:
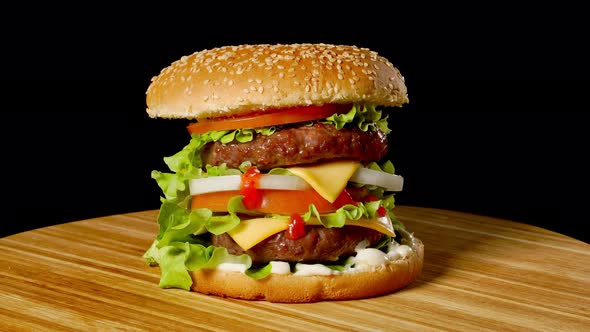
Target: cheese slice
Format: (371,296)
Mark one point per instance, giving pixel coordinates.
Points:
(250,232)
(328,179)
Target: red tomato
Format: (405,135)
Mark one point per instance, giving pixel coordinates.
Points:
(268,118)
(285,202)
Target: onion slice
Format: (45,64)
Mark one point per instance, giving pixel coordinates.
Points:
(390,182)
(232,182)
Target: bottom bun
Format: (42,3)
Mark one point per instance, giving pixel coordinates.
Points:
(313,288)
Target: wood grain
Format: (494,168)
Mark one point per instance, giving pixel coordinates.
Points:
(480,273)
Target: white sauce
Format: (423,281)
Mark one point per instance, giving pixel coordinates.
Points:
(232,267)
(403,250)
(366,259)
(280,267)
(313,270)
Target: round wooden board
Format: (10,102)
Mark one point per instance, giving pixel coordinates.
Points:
(479,273)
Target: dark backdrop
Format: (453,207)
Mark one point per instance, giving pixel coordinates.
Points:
(496,123)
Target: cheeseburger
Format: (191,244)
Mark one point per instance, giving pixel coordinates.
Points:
(284,192)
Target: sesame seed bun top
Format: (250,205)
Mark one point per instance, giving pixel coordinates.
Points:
(234,80)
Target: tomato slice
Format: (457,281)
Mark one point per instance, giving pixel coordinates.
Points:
(285,202)
(268,118)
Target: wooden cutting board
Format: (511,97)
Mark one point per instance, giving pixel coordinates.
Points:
(480,273)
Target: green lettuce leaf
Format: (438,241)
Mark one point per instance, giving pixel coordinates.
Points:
(259,272)
(173,270)
(365,118)
(176,224)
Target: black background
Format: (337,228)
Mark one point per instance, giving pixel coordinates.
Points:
(496,123)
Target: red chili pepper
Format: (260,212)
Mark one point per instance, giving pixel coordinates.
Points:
(249,188)
(296,228)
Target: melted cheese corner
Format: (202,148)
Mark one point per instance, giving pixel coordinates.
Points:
(252,231)
(328,179)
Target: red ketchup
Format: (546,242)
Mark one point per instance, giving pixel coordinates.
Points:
(296,228)
(249,188)
(381,211)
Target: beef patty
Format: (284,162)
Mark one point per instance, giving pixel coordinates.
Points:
(319,244)
(299,145)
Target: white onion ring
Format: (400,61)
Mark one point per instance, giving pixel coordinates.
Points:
(390,182)
(232,182)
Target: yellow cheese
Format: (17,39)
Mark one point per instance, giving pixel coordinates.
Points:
(328,179)
(250,232)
